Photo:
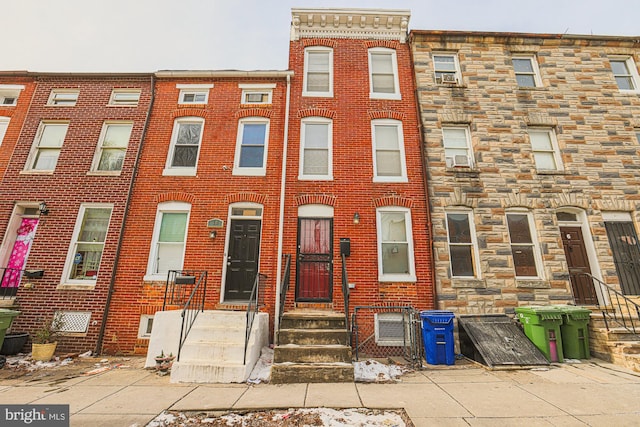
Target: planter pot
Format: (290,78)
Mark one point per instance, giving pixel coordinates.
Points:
(43,352)
(13,343)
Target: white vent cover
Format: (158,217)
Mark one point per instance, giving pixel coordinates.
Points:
(75,321)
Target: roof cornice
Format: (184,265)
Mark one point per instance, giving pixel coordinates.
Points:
(219,74)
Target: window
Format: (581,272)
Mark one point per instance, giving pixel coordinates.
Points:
(526,69)
(169,239)
(395,245)
(391,329)
(457,147)
(388,146)
(87,244)
(65,97)
(446,69)
(383,69)
(112,147)
(127,97)
(545,150)
(463,249)
(625,73)
(193,94)
(523,247)
(46,148)
(9,95)
(146,325)
(316,149)
(4,125)
(185,146)
(256,93)
(637,132)
(318,71)
(251,147)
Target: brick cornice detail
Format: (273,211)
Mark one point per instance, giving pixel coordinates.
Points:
(386,114)
(570,200)
(316,112)
(316,199)
(393,200)
(175,196)
(254,112)
(518,200)
(611,203)
(189,112)
(246,197)
(391,44)
(319,42)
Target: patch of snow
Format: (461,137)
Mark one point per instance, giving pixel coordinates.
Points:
(374,371)
(356,417)
(262,371)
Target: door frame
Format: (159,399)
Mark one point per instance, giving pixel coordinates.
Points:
(230,216)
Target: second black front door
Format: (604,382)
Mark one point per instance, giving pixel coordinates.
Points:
(242,259)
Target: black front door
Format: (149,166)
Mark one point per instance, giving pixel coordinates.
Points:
(626,255)
(242,259)
(578,262)
(314,266)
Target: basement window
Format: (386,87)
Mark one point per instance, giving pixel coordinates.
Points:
(74,322)
(391,329)
(146,325)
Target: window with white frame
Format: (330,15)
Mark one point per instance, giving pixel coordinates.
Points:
(251,146)
(463,248)
(523,245)
(388,147)
(526,70)
(625,72)
(63,97)
(637,134)
(169,239)
(318,71)
(46,148)
(316,158)
(391,329)
(9,95)
(4,125)
(146,326)
(256,93)
(383,74)
(112,146)
(395,245)
(125,97)
(193,94)
(185,146)
(446,68)
(87,244)
(457,146)
(545,149)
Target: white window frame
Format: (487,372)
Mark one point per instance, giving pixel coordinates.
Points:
(400,135)
(457,71)
(555,150)
(450,160)
(317,49)
(74,242)
(636,131)
(394,64)
(632,71)
(165,207)
(35,148)
(182,170)
(316,120)
(63,97)
(123,97)
(410,276)
(251,89)
(143,326)
(4,126)
(534,243)
(100,148)
(251,171)
(10,92)
(537,81)
(391,317)
(473,244)
(195,90)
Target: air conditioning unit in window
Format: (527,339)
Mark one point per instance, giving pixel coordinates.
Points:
(448,79)
(458,161)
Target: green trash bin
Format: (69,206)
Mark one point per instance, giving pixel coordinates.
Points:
(6,317)
(575,332)
(542,327)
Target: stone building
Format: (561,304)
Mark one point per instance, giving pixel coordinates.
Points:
(533,166)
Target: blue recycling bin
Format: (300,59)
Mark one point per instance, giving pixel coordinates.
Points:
(437,336)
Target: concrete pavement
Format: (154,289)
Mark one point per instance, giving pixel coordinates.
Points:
(592,393)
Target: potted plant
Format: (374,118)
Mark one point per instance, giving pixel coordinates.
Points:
(163,362)
(45,338)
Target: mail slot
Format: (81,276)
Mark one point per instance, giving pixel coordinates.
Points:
(345,246)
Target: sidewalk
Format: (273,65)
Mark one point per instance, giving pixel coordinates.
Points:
(593,393)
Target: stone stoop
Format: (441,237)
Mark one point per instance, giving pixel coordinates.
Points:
(616,345)
(313,346)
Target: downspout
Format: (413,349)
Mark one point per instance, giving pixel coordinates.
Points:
(283,185)
(103,326)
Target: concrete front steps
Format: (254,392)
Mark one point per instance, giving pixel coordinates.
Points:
(616,345)
(214,349)
(313,346)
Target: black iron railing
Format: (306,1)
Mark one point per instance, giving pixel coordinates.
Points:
(625,313)
(187,289)
(252,309)
(284,287)
(345,291)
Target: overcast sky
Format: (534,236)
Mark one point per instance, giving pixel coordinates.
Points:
(151,35)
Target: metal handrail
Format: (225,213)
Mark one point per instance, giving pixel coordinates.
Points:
(345,291)
(284,288)
(621,305)
(252,310)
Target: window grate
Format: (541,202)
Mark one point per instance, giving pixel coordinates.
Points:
(75,321)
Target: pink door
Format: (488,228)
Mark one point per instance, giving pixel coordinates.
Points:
(13,272)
